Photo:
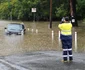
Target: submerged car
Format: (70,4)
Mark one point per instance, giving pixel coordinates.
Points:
(15,28)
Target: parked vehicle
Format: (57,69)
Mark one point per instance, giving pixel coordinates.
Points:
(15,28)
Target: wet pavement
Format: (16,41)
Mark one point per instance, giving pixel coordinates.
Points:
(41,60)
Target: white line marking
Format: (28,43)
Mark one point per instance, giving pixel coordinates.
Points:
(3,67)
(13,65)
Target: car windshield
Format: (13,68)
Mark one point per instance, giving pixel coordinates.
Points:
(14,26)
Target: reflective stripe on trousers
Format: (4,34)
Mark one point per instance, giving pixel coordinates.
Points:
(67,53)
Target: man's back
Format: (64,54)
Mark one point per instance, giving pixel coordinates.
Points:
(65,28)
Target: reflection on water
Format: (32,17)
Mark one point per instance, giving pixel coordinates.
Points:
(38,37)
(12,39)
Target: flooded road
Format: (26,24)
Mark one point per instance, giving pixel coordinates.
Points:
(38,37)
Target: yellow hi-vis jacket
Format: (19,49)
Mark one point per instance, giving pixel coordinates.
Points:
(65,28)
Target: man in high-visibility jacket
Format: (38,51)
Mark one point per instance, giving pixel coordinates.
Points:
(66,39)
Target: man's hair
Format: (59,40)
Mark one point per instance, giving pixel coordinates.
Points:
(66,18)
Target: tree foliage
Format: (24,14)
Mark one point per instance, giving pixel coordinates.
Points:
(80,9)
(21,9)
(61,11)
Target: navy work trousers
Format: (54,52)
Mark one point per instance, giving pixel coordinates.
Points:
(67,47)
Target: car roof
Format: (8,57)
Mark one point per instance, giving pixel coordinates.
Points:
(15,24)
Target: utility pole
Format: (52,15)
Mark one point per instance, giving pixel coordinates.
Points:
(73,12)
(50,13)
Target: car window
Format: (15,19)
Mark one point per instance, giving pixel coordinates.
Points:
(13,26)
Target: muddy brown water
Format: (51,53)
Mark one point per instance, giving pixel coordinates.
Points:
(38,37)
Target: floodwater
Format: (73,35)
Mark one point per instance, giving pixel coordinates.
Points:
(38,37)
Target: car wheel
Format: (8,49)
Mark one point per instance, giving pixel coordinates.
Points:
(9,33)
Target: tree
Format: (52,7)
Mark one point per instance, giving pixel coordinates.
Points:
(80,9)
(61,11)
(21,9)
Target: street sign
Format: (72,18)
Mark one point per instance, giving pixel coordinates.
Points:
(33,9)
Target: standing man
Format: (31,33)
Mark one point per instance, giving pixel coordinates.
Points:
(66,39)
